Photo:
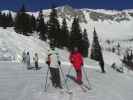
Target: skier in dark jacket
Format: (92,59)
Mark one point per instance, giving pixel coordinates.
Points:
(54,63)
(101,63)
(36,60)
(24,57)
(77,61)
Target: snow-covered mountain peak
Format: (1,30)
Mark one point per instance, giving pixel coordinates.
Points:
(66,7)
(69,13)
(109,24)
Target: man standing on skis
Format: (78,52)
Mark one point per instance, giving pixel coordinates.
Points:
(54,63)
(76,59)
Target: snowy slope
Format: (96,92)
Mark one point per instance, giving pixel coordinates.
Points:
(14,44)
(109,24)
(17,83)
(107,29)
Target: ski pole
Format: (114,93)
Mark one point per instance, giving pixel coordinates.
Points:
(69,71)
(63,77)
(86,76)
(46,80)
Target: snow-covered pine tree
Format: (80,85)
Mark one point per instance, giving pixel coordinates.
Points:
(54,27)
(85,43)
(0,18)
(23,22)
(10,20)
(96,52)
(41,26)
(4,21)
(33,23)
(75,35)
(64,34)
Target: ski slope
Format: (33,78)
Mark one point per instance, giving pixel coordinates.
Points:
(13,44)
(18,83)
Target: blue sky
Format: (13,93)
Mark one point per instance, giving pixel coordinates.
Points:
(44,4)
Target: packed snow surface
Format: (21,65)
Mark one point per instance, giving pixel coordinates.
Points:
(18,83)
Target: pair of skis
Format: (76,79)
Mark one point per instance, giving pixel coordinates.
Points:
(83,86)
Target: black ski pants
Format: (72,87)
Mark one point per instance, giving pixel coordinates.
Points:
(55,77)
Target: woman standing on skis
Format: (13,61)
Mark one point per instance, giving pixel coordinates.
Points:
(76,59)
(54,63)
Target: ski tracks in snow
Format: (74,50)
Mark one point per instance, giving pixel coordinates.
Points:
(18,83)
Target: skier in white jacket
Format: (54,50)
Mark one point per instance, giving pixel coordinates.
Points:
(28,60)
(54,63)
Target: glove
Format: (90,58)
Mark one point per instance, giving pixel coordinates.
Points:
(82,64)
(71,61)
(59,63)
(47,62)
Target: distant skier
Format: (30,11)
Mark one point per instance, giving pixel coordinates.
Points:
(24,57)
(113,66)
(36,60)
(101,63)
(28,60)
(54,63)
(76,59)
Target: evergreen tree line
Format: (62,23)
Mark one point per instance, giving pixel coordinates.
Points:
(24,23)
(62,37)
(6,20)
(59,35)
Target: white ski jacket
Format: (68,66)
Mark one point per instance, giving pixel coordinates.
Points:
(53,58)
(28,59)
(36,58)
